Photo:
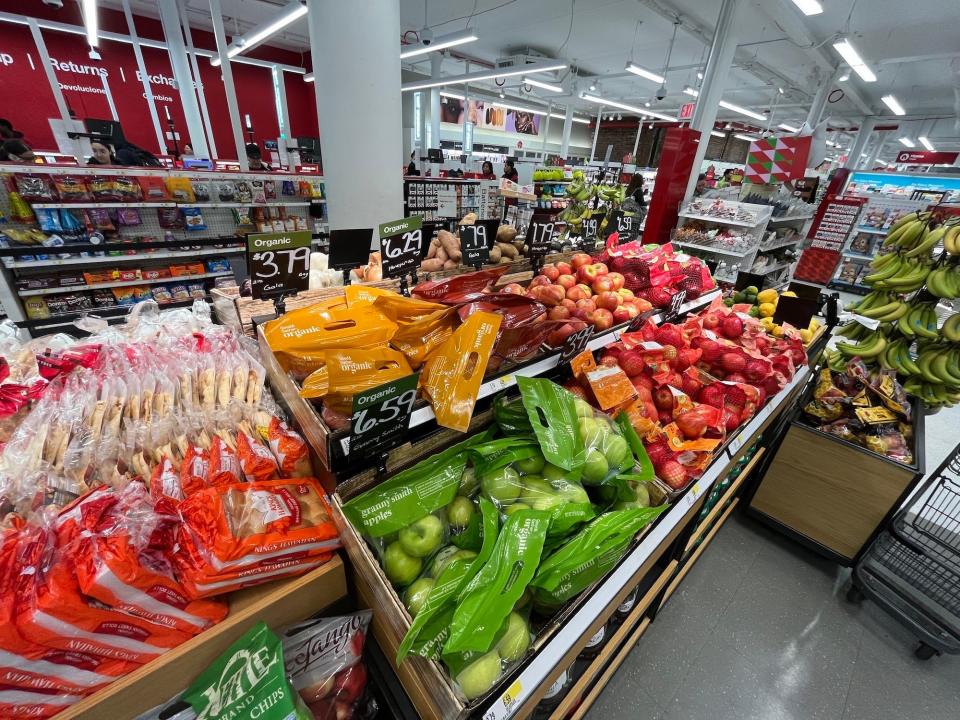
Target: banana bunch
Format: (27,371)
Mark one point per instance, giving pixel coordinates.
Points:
(951,328)
(899,273)
(614,194)
(907,232)
(937,380)
(951,241)
(572,213)
(944,282)
(874,343)
(881,305)
(920,322)
(835,360)
(579,191)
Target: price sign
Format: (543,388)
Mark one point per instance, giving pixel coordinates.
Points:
(675,303)
(639,321)
(476,239)
(626,226)
(540,235)
(591,225)
(401,242)
(576,343)
(381,415)
(797,311)
(278,263)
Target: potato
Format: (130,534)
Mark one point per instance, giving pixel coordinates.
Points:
(442,255)
(469,219)
(434,245)
(495,254)
(431,265)
(508,250)
(450,265)
(505,261)
(450,244)
(506,233)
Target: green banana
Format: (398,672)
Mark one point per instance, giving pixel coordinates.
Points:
(869,348)
(929,241)
(951,328)
(890,269)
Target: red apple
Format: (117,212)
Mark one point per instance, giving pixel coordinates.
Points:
(539,280)
(711,321)
(586,288)
(560,335)
(617,279)
(513,289)
(631,309)
(579,260)
(559,313)
(566,281)
(608,300)
(642,305)
(586,304)
(622,314)
(626,294)
(602,319)
(550,272)
(602,284)
(350,683)
(569,304)
(587,274)
(602,269)
(564,268)
(577,293)
(663,398)
(609,361)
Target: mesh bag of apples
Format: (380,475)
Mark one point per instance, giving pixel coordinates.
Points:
(485,541)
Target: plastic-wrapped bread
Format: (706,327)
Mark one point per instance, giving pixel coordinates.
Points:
(241,376)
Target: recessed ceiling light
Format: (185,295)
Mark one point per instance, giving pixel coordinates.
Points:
(844,77)
(647,104)
(788,128)
(809,7)
(644,73)
(593,87)
(926,143)
(849,53)
(907,142)
(699,76)
(895,107)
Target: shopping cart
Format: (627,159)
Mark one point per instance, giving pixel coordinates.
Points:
(912,569)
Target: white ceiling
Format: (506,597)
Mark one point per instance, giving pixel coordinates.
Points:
(914,49)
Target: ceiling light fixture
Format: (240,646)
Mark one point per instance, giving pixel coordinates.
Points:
(741,110)
(883,162)
(593,88)
(288,15)
(907,142)
(788,128)
(483,75)
(895,107)
(717,133)
(748,138)
(809,7)
(439,43)
(926,143)
(690,91)
(856,63)
(544,85)
(644,73)
(308,77)
(647,104)
(628,108)
(455,96)
(699,75)
(844,76)
(502,94)
(780,90)
(89,8)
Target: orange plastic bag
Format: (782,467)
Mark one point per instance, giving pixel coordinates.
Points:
(317,384)
(195,470)
(353,371)
(201,585)
(453,373)
(256,460)
(289,449)
(421,326)
(357,295)
(224,463)
(165,482)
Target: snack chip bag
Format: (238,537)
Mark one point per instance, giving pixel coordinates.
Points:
(153,189)
(353,371)
(454,371)
(441,290)
(180,190)
(247,682)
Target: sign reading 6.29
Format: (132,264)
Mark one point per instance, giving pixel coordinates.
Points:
(401,243)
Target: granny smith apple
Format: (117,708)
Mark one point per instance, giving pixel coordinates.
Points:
(590,431)
(539,494)
(401,568)
(417,594)
(643,494)
(501,485)
(459,512)
(552,472)
(515,507)
(468,482)
(480,675)
(614,448)
(583,408)
(570,491)
(533,464)
(422,537)
(595,469)
(441,562)
(515,641)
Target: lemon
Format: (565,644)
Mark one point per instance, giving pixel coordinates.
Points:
(778,330)
(806,336)
(767,296)
(788,293)
(767,323)
(767,309)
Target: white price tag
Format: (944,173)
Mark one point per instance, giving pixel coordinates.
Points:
(867,322)
(501,383)
(736,444)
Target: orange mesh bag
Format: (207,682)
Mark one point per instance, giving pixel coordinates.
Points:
(256,460)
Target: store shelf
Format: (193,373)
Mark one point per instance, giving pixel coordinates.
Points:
(708,248)
(556,653)
(788,219)
(856,255)
(599,340)
(308,203)
(69,206)
(870,230)
(722,221)
(110,259)
(124,171)
(848,287)
(707,522)
(787,243)
(122,283)
(775,268)
(114,311)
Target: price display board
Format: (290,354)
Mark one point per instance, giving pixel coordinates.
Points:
(670,314)
(381,415)
(278,263)
(795,311)
(576,343)
(401,243)
(350,248)
(591,225)
(476,241)
(541,234)
(626,226)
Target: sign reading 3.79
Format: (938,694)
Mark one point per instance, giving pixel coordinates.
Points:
(278,263)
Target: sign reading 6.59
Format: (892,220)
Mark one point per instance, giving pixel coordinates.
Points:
(381,415)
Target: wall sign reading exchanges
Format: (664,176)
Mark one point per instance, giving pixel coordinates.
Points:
(278,263)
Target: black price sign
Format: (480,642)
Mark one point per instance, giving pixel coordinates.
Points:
(476,240)
(625,226)
(381,415)
(278,263)
(591,225)
(796,311)
(639,321)
(576,343)
(540,235)
(675,303)
(401,242)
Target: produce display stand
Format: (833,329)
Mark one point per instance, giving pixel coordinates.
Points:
(278,604)
(801,492)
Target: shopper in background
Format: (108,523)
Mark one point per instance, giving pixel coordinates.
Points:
(254,159)
(510,172)
(725,180)
(701,187)
(102,154)
(16,151)
(7,132)
(412,167)
(635,190)
(486,171)
(126,153)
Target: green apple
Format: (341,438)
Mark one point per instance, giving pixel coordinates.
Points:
(480,675)
(532,464)
(539,494)
(417,594)
(583,408)
(515,641)
(641,498)
(501,485)
(468,482)
(595,469)
(590,431)
(552,472)
(571,491)
(401,569)
(422,537)
(515,507)
(443,559)
(615,449)
(460,511)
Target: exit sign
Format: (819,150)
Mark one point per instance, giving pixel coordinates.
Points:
(686,111)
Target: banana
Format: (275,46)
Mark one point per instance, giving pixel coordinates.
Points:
(923,362)
(908,281)
(903,326)
(878,313)
(901,308)
(881,260)
(911,234)
(940,366)
(950,240)
(905,364)
(869,348)
(951,328)
(889,270)
(929,241)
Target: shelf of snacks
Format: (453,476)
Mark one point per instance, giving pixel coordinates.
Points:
(78,216)
(156,506)
(551,453)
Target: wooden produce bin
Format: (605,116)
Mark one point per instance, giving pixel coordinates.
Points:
(278,604)
(830,494)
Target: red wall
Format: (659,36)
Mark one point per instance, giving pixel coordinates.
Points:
(29,103)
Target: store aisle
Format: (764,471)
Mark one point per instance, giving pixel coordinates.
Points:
(760,630)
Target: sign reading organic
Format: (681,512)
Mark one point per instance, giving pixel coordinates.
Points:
(400,245)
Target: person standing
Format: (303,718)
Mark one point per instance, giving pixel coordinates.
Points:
(101,154)
(255,159)
(509,171)
(486,171)
(636,191)
(412,167)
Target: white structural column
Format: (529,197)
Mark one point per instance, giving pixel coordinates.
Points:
(820,99)
(434,134)
(226,72)
(719,60)
(596,133)
(48,69)
(860,142)
(173,34)
(208,126)
(876,150)
(359,108)
(636,140)
(567,127)
(144,77)
(546,127)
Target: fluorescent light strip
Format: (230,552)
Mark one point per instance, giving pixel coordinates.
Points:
(308,77)
(883,162)
(748,138)
(717,133)
(90,20)
(292,12)
(788,128)
(895,107)
(644,73)
(690,91)
(849,53)
(831,143)
(483,75)
(741,110)
(445,41)
(628,108)
(926,143)
(809,7)
(907,142)
(543,85)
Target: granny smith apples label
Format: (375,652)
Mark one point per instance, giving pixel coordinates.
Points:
(278,263)
(381,415)
(401,242)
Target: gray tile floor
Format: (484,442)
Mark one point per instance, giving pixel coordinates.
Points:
(760,630)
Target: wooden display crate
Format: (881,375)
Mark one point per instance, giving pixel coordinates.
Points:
(278,604)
